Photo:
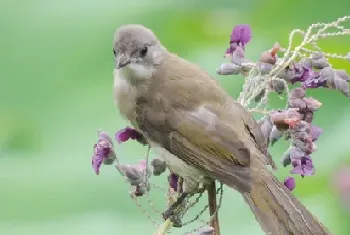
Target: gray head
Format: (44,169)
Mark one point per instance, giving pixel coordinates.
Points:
(137,49)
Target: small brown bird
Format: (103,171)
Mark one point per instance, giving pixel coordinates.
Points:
(200,131)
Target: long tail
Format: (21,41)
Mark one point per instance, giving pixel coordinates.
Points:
(277,210)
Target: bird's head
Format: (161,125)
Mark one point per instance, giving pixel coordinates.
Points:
(137,50)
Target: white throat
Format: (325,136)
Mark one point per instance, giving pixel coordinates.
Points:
(136,71)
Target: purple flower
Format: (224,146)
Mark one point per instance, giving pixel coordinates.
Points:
(206,231)
(313,82)
(103,152)
(303,166)
(240,36)
(315,132)
(289,182)
(127,133)
(304,73)
(134,173)
(173,181)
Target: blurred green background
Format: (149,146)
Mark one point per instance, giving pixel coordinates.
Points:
(56,66)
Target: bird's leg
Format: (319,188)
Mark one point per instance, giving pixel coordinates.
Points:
(171,214)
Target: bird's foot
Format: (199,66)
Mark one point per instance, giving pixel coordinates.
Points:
(172,212)
(174,218)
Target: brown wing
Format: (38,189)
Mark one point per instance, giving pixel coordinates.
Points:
(255,131)
(222,150)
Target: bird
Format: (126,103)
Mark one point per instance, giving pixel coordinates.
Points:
(200,131)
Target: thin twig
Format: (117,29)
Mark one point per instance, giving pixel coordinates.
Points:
(164,227)
(214,222)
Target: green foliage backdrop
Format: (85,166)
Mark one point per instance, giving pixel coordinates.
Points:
(56,91)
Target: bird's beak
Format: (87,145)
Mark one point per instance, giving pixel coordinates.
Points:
(122,61)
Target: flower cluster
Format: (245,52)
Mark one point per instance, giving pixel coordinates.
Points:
(316,72)
(295,123)
(136,175)
(272,73)
(103,152)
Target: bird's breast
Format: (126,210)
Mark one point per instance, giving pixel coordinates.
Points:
(125,95)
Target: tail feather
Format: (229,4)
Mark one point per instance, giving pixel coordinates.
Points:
(277,210)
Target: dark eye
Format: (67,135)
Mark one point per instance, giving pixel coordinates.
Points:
(143,52)
(115,53)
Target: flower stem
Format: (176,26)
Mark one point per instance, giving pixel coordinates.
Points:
(164,227)
(214,221)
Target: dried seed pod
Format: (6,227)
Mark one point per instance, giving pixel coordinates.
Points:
(159,166)
(302,126)
(318,60)
(135,173)
(206,231)
(317,55)
(287,74)
(341,85)
(312,104)
(306,63)
(320,63)
(279,118)
(140,190)
(315,132)
(229,69)
(278,86)
(342,74)
(304,147)
(238,56)
(302,135)
(326,74)
(297,103)
(308,116)
(265,68)
(297,93)
(295,153)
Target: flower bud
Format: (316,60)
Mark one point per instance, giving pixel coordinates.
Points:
(327,74)
(341,85)
(297,93)
(265,68)
(312,104)
(278,86)
(206,231)
(289,182)
(238,56)
(315,132)
(159,166)
(342,74)
(229,69)
(103,152)
(140,190)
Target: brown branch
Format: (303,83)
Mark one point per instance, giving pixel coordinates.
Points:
(214,219)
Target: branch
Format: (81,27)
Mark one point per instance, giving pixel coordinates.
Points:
(164,227)
(214,221)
